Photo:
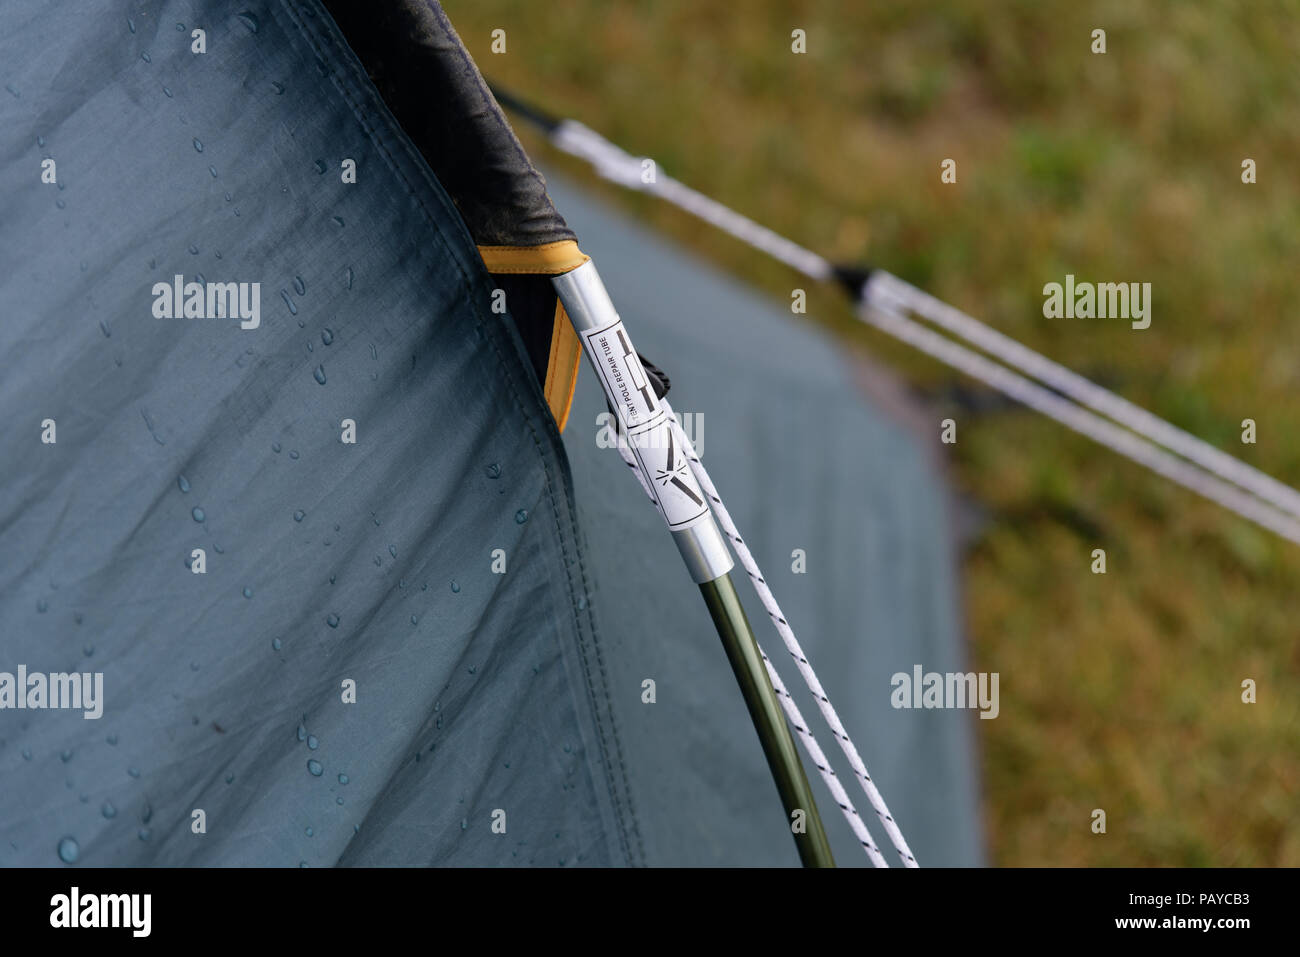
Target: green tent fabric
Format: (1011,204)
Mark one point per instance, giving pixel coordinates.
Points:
(481,698)
(475,691)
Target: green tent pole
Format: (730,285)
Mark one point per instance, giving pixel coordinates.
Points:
(666,472)
(769,721)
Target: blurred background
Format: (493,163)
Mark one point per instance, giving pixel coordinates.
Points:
(1123,166)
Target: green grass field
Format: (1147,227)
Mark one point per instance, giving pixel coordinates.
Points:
(1119,691)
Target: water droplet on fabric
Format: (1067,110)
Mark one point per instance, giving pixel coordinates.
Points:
(134,772)
(521,516)
(320,166)
(42,606)
(146,57)
(111,739)
(69,850)
(183,483)
(315,768)
(293,310)
(167,93)
(319,374)
(213,171)
(275,644)
(108,810)
(144,833)
(312,743)
(392,550)
(338,800)
(338,220)
(299,515)
(310,832)
(199,514)
(279,87)
(302,732)
(493,471)
(455,588)
(248,592)
(275,447)
(327,336)
(249,19)
(414,620)
(332,620)
(130,24)
(299,286)
(230,779)
(343,779)
(194,251)
(65,755)
(351,275)
(198,146)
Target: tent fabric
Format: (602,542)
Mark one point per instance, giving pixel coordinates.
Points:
(475,691)
(428,80)
(802,461)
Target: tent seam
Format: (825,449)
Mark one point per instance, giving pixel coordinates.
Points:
(626,819)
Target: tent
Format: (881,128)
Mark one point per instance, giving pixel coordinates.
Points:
(354,597)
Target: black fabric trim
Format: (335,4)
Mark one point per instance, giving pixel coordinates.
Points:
(430,83)
(531,301)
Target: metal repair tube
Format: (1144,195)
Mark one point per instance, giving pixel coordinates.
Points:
(682,504)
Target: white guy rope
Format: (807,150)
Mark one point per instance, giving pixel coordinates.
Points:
(792,645)
(618,166)
(1012,353)
(1079,419)
(792,713)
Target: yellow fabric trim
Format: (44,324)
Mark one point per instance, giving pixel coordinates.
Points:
(549,259)
(562,367)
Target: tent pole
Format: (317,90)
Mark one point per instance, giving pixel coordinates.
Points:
(666,475)
(765,711)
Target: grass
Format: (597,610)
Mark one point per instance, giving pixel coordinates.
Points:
(1119,691)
